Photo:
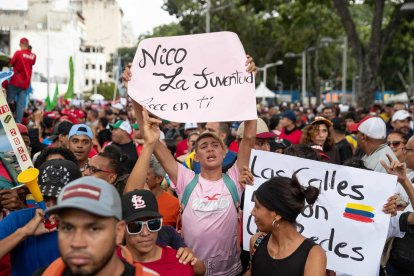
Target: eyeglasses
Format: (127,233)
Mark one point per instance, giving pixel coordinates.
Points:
(93,169)
(394,143)
(153,225)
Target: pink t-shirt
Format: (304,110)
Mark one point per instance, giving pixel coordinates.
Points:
(210,221)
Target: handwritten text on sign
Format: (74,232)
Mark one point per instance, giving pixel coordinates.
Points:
(194,78)
(346,220)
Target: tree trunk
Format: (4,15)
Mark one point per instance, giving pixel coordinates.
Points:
(368,57)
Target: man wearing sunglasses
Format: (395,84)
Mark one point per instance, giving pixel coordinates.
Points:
(89,212)
(143,225)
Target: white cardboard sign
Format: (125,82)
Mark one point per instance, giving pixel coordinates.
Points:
(346,220)
(194,78)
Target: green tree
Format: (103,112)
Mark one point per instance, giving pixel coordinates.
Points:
(106,89)
(370,39)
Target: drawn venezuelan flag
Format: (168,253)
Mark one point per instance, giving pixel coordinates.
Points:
(359,212)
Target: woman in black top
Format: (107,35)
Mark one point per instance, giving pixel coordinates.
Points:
(283,251)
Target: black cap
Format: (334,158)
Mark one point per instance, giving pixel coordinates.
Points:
(339,124)
(55,174)
(139,204)
(61,128)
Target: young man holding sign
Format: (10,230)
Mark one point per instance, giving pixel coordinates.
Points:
(210,219)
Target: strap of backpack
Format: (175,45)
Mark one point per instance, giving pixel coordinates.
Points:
(231,186)
(187,192)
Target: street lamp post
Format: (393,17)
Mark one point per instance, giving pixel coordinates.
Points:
(303,56)
(264,69)
(354,79)
(303,77)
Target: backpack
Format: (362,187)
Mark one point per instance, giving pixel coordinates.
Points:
(231,186)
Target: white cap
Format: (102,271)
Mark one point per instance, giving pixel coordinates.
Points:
(190,126)
(124,125)
(400,115)
(374,128)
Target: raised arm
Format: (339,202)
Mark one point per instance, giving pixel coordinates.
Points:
(246,144)
(249,135)
(161,151)
(151,135)
(399,169)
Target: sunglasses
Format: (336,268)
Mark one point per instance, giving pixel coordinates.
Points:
(153,225)
(394,143)
(94,170)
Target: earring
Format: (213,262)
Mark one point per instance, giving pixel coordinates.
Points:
(273,224)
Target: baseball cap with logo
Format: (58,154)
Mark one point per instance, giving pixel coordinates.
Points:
(139,204)
(55,174)
(121,124)
(373,127)
(80,129)
(89,194)
(401,115)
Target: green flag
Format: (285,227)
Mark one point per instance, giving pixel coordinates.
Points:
(69,92)
(48,103)
(54,102)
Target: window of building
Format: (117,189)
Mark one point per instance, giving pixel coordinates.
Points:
(93,82)
(100,67)
(93,66)
(86,82)
(86,66)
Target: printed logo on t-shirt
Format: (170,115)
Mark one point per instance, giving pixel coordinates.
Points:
(211,203)
(137,202)
(214,197)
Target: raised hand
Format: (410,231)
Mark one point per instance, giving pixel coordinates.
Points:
(10,200)
(151,133)
(396,168)
(251,66)
(126,76)
(391,206)
(36,225)
(246,177)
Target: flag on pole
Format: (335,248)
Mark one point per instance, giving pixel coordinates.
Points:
(48,103)
(54,102)
(69,92)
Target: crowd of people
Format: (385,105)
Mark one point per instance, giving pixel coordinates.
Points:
(131,194)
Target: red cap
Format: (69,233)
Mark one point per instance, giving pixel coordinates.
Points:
(24,41)
(22,129)
(78,113)
(352,128)
(266,135)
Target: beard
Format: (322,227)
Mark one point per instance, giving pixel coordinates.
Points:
(96,266)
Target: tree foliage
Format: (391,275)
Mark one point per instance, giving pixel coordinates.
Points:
(380,39)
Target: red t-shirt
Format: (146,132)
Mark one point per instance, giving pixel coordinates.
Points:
(168,264)
(293,136)
(22,62)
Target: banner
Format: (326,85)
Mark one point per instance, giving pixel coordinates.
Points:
(194,78)
(10,138)
(347,219)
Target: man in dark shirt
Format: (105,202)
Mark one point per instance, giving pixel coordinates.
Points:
(121,136)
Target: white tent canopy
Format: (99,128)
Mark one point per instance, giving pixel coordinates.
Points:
(263,91)
(401,97)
